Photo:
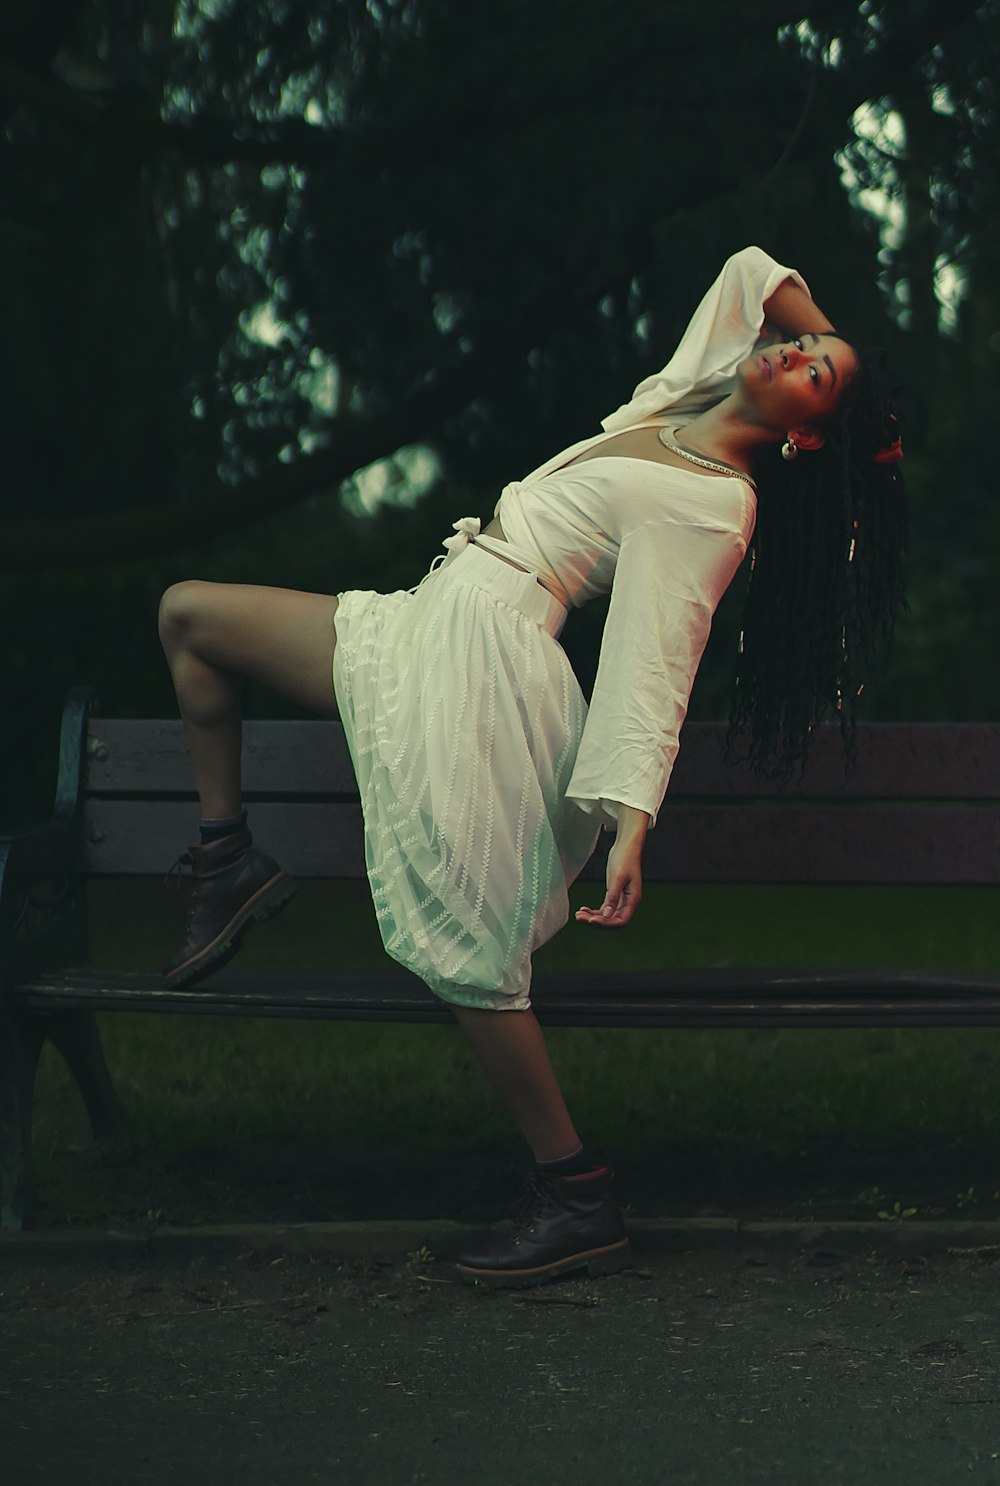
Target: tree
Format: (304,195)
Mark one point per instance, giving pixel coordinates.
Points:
(252,249)
(459,238)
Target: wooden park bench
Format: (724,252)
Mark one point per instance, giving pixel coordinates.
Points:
(922,808)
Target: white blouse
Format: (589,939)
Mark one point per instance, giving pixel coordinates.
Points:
(665,542)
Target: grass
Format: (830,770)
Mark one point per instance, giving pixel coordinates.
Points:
(231,1116)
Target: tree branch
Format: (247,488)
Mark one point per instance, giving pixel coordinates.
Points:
(796,133)
(142,531)
(212,141)
(78,101)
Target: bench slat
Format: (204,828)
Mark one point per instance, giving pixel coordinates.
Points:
(280,759)
(745,996)
(285,759)
(856,843)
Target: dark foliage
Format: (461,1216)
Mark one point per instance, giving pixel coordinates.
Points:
(251,249)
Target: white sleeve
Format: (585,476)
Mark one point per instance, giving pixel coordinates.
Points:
(667,586)
(722,331)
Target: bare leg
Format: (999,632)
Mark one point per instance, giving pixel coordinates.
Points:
(213,635)
(510,1047)
(209,702)
(216,633)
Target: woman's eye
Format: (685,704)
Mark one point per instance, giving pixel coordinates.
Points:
(814,374)
(797,343)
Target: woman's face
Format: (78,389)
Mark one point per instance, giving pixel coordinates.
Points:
(793,384)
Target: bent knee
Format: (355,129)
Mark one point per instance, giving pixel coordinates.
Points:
(179,608)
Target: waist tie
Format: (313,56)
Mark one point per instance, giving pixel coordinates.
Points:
(516,587)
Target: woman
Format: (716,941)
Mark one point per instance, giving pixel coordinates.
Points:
(484,778)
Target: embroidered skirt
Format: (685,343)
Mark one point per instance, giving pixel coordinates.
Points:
(463,717)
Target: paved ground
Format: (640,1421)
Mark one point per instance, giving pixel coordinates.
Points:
(795,1369)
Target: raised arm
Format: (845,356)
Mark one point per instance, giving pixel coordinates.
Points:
(790,311)
(721,333)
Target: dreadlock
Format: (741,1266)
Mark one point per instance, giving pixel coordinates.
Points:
(825,581)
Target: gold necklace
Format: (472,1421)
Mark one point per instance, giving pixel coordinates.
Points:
(708,464)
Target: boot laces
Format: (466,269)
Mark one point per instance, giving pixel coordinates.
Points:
(534,1200)
(172,880)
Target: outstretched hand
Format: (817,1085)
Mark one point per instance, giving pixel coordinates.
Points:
(624,893)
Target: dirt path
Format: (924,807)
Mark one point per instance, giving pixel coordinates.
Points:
(697,1368)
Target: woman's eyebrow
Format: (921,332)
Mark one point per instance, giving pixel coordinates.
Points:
(833,370)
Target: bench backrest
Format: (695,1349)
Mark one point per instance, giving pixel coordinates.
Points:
(921,808)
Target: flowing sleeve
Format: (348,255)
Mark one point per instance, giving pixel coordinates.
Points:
(722,331)
(668,582)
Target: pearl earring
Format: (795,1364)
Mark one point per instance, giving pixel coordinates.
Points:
(789,450)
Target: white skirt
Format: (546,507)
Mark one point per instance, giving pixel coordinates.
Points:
(463,717)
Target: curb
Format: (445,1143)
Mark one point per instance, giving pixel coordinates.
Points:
(396,1239)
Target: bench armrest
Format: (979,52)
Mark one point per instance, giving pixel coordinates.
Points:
(33,924)
(48,850)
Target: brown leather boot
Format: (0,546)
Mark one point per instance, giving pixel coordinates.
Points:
(561,1223)
(233,884)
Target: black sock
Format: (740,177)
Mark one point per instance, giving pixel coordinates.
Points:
(214,830)
(573,1165)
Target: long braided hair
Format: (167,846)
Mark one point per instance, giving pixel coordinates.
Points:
(825,581)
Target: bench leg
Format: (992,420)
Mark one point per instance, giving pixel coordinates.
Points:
(76,1036)
(21,1038)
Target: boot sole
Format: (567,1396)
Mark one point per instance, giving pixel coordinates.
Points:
(608,1260)
(265,903)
